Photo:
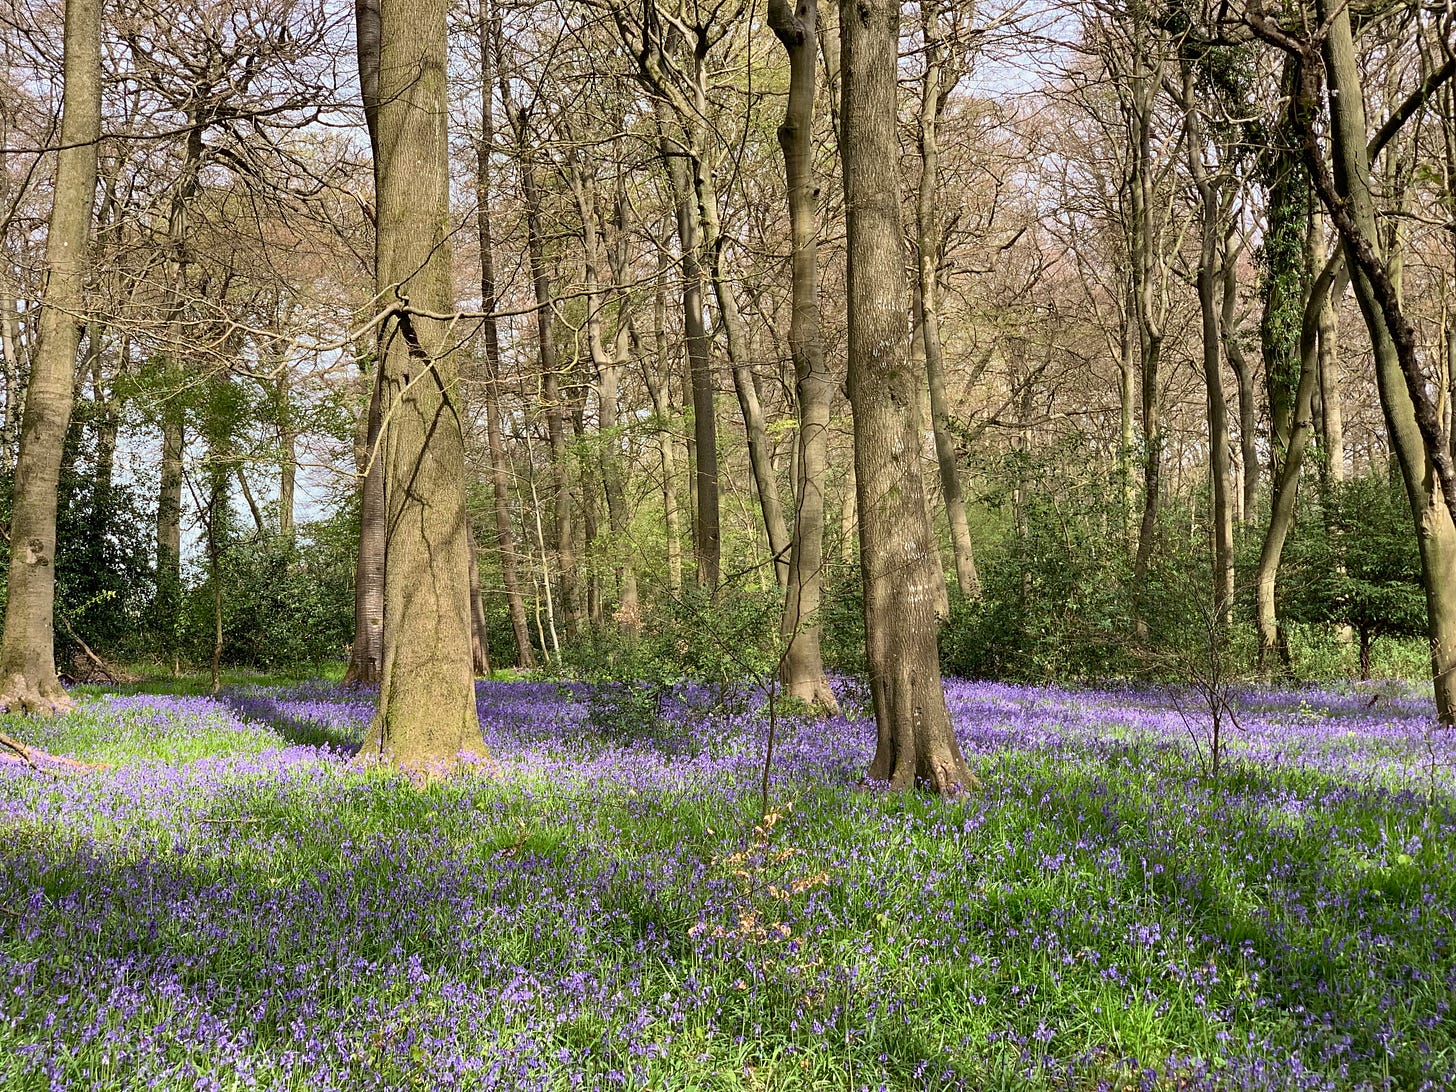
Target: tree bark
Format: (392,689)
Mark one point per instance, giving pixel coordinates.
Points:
(915,742)
(366,653)
(802,670)
(27,654)
(479,627)
(928,244)
(427,711)
(490,341)
(1244,379)
(1286,482)
(707,534)
(1211,234)
(551,393)
(1424,466)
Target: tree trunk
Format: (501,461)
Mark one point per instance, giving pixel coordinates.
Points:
(27,653)
(1147,318)
(656,377)
(287,458)
(490,341)
(479,627)
(366,654)
(1286,482)
(707,534)
(915,742)
(928,244)
(427,711)
(608,365)
(1211,235)
(1418,457)
(551,393)
(802,669)
(1244,382)
(760,458)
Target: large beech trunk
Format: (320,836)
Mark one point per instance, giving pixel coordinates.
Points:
(803,662)
(915,742)
(27,658)
(426,712)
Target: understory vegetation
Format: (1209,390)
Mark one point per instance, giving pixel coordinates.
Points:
(230,903)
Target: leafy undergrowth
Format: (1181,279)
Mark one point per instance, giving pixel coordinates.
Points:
(232,905)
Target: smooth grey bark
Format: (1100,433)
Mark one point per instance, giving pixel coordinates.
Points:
(915,742)
(426,715)
(27,657)
(802,668)
(928,245)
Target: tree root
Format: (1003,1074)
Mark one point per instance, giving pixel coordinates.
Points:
(37,759)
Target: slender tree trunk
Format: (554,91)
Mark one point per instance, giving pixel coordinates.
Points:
(928,244)
(1244,378)
(490,341)
(27,655)
(427,709)
(556,408)
(1286,482)
(656,376)
(366,654)
(707,534)
(915,740)
(287,457)
(479,626)
(802,670)
(760,457)
(1332,409)
(1211,235)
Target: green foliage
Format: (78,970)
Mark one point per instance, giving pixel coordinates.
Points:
(286,600)
(104,573)
(1353,561)
(728,642)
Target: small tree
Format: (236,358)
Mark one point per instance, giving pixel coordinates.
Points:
(1360,565)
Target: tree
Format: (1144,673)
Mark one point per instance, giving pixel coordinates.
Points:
(797,28)
(427,694)
(915,742)
(27,656)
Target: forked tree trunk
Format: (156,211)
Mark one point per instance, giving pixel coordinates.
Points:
(27,654)
(426,709)
(915,742)
(490,338)
(1420,463)
(803,661)
(1286,482)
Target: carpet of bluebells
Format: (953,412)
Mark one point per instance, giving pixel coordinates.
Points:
(231,903)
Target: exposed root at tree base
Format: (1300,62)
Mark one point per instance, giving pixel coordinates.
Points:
(13,751)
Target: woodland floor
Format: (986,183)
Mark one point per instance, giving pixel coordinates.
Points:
(232,904)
